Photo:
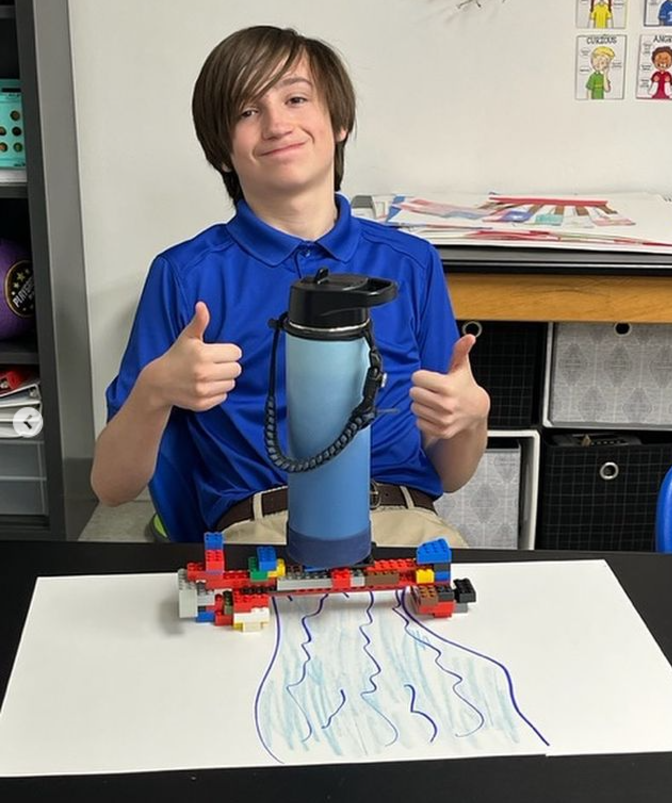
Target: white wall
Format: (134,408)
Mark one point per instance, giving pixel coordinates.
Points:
(474,101)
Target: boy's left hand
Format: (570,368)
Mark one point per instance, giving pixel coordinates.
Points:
(447,404)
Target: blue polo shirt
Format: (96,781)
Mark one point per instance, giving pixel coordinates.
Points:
(243,271)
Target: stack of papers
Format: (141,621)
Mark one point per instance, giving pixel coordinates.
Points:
(27,394)
(618,222)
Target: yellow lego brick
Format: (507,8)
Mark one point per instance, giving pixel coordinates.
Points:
(424,575)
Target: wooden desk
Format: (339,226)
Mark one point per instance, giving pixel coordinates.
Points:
(530,779)
(544,285)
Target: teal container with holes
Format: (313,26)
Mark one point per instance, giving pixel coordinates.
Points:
(12,139)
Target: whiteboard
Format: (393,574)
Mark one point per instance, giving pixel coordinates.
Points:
(474,100)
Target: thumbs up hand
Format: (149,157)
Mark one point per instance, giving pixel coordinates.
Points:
(193,374)
(447,404)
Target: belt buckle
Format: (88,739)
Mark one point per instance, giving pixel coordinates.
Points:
(374,495)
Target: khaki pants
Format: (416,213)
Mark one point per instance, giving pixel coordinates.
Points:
(391,526)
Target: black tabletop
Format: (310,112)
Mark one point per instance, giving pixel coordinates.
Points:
(646,578)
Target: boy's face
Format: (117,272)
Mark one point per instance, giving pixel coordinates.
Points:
(662,61)
(600,62)
(283,142)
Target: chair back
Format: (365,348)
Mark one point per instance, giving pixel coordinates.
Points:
(664,515)
(172,488)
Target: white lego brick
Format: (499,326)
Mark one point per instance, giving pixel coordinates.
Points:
(205,597)
(187,596)
(260,615)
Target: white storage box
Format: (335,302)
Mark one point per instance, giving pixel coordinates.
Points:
(609,375)
(497,508)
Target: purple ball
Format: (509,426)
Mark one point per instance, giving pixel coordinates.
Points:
(17,290)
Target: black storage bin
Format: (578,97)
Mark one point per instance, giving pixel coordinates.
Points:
(598,491)
(507,360)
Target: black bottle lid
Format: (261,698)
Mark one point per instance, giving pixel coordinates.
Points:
(335,301)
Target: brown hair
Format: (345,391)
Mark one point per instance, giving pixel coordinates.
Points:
(247,64)
(659,51)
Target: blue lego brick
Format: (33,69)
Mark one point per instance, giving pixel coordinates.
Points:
(213,540)
(441,577)
(205,616)
(267,560)
(436,551)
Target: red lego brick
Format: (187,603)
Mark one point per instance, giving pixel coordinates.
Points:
(341,579)
(192,570)
(243,603)
(214,560)
(400,565)
(230,579)
(443,610)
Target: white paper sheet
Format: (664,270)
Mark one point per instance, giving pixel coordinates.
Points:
(553,658)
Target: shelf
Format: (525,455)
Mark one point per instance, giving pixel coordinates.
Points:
(24,528)
(13,189)
(19,352)
(7,13)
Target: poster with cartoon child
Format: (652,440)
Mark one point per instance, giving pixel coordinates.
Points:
(600,61)
(654,72)
(601,14)
(658,12)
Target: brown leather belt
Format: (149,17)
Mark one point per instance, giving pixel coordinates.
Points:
(275,501)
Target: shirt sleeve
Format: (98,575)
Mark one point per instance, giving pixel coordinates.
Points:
(438,328)
(160,317)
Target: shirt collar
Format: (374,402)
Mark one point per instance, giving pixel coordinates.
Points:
(273,247)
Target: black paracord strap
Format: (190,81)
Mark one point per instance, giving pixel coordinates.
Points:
(359,419)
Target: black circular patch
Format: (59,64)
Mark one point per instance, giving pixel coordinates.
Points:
(20,289)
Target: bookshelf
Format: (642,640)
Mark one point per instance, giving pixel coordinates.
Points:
(44,211)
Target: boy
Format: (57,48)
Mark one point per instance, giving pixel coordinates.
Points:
(598,82)
(273,111)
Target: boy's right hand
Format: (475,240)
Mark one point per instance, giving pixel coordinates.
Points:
(193,374)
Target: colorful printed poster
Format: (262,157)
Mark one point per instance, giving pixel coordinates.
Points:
(600,67)
(601,14)
(654,72)
(658,12)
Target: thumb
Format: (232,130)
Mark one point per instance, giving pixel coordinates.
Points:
(199,323)
(461,351)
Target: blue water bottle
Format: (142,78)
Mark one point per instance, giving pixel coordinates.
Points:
(333,372)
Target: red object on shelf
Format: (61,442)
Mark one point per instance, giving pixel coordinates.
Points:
(11,377)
